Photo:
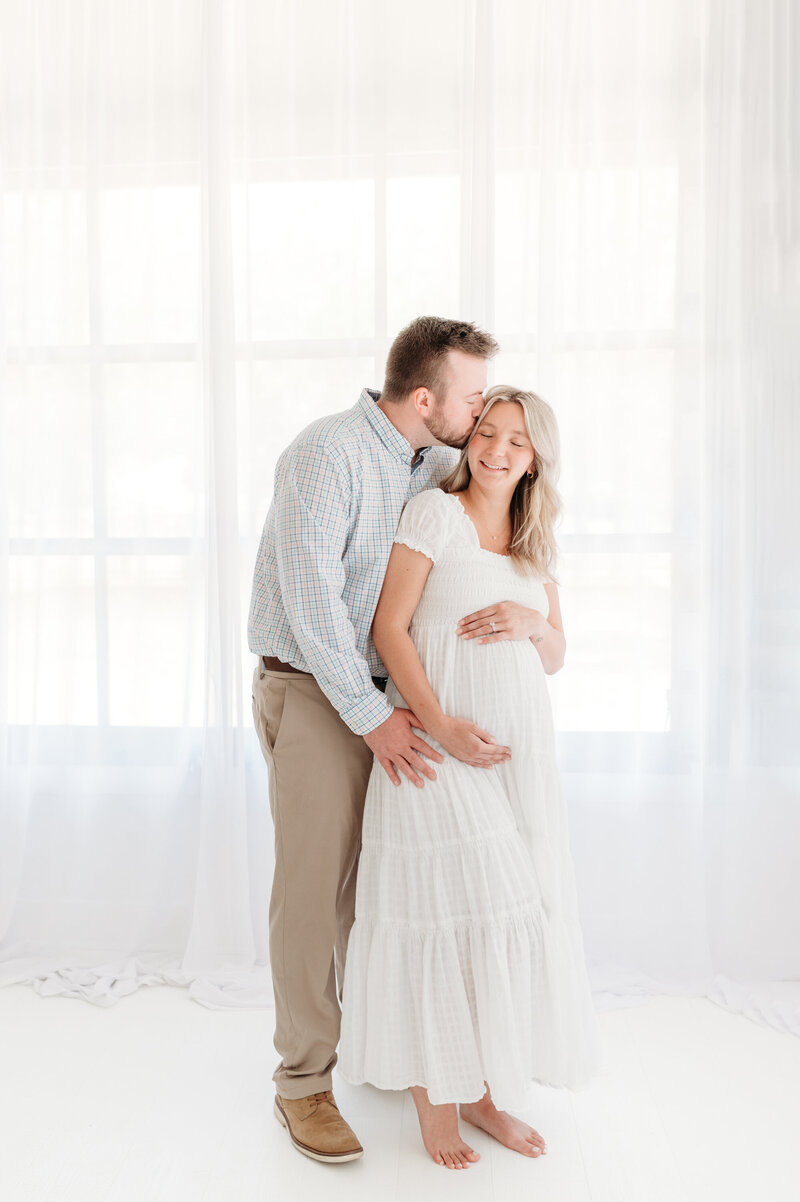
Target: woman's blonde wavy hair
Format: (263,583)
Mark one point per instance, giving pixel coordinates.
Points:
(536,503)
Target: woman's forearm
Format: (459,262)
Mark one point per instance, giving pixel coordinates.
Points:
(552,646)
(396,648)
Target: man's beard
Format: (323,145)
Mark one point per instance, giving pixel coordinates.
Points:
(438,427)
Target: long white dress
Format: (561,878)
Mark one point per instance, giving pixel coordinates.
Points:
(465,962)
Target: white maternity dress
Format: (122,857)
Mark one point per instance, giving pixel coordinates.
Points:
(465,962)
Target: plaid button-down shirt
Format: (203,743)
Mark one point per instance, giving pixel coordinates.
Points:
(340,488)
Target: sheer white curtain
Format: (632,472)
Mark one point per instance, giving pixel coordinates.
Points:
(214,219)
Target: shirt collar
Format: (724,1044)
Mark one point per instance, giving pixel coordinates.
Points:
(392,439)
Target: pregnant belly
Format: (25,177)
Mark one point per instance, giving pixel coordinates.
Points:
(500,686)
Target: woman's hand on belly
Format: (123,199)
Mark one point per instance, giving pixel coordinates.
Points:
(469,743)
(507,620)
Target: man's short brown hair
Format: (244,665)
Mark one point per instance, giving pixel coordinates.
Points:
(419,352)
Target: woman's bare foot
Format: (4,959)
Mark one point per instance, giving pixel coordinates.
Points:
(440,1134)
(503,1126)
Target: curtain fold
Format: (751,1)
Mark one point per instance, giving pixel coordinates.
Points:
(215,215)
(752,435)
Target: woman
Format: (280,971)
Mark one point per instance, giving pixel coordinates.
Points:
(465,978)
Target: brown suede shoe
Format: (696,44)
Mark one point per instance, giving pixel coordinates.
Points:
(317,1129)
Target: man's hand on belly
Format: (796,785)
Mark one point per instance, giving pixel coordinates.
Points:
(398,748)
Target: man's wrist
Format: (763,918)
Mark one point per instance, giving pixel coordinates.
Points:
(367,713)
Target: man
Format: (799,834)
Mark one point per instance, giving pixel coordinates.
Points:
(318,689)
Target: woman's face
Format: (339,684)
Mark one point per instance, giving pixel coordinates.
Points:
(500,451)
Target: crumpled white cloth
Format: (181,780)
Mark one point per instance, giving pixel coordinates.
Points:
(107,984)
(774,1003)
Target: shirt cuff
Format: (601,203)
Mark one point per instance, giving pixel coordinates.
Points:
(367,712)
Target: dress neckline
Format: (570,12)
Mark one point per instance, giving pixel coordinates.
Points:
(474,529)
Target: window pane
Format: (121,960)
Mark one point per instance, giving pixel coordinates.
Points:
(154,447)
(616,248)
(617,622)
(423,241)
(52,667)
(155,610)
(615,412)
(45,284)
(49,434)
(304,254)
(516,264)
(150,262)
(276,400)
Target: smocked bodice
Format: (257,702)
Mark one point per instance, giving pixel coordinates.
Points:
(465,577)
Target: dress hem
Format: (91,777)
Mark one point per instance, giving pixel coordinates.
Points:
(502,1104)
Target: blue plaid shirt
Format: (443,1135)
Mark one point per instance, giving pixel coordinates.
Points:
(340,488)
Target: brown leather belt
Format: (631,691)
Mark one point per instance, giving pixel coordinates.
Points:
(277,665)
(272,664)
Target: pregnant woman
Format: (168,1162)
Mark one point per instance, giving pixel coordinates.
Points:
(465,977)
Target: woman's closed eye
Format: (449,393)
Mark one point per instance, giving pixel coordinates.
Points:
(483,434)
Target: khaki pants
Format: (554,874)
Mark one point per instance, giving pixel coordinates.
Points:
(318,774)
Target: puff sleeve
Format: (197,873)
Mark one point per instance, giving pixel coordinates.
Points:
(424,522)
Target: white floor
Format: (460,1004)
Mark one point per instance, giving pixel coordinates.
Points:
(160,1100)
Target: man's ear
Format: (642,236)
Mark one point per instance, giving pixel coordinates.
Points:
(423,401)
